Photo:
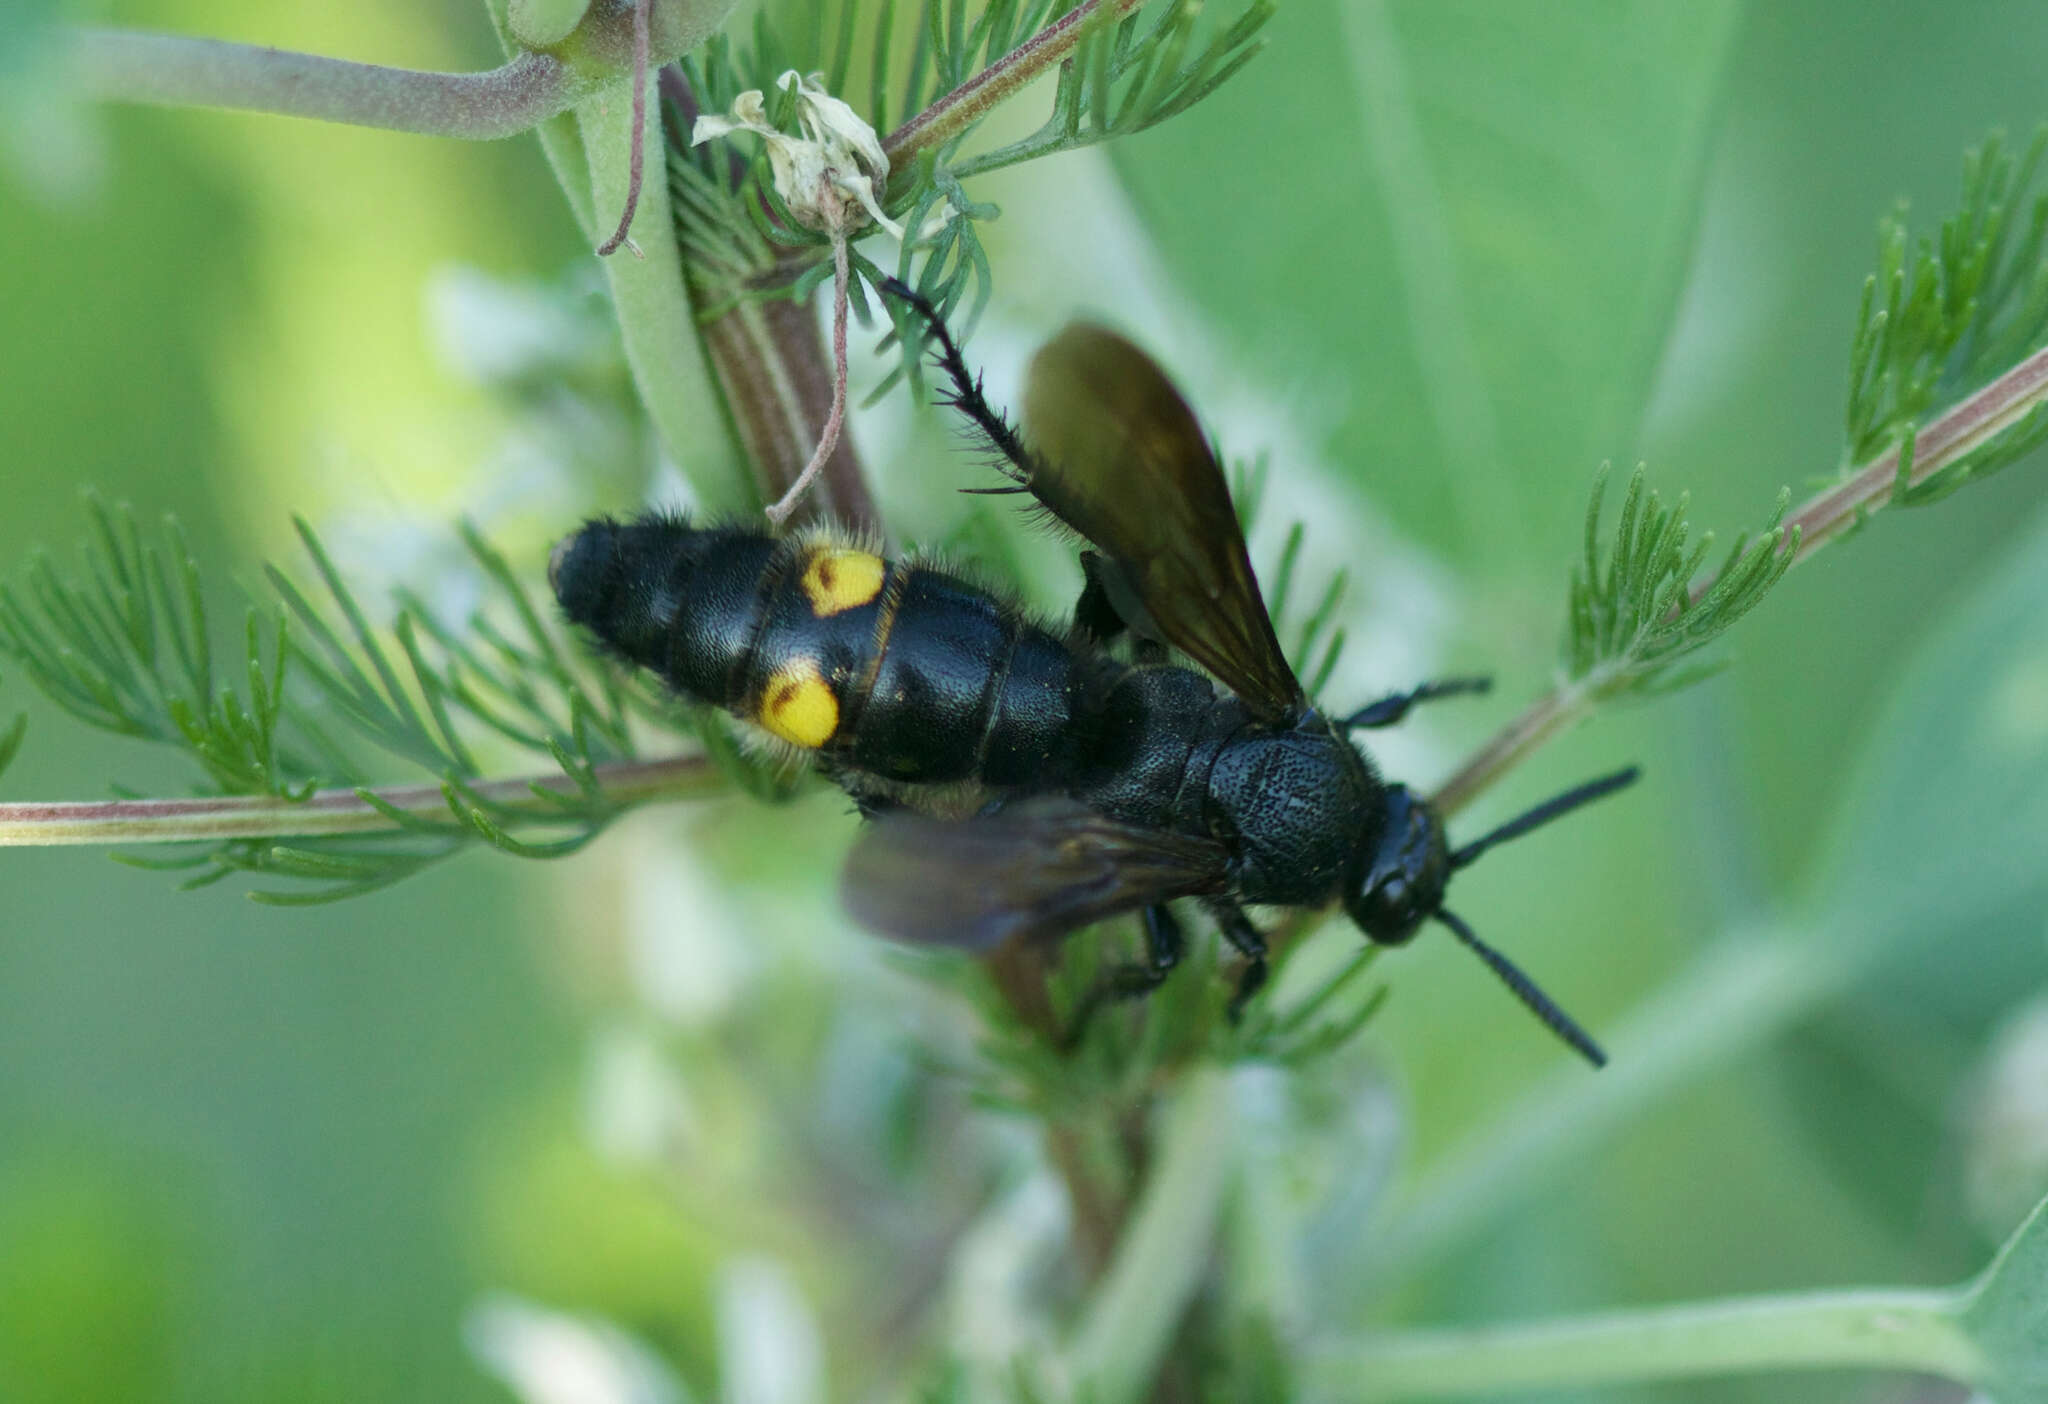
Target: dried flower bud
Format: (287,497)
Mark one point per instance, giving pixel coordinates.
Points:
(827,176)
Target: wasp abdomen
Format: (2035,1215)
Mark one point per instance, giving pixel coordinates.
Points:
(897,669)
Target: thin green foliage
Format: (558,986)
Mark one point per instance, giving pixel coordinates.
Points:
(1313,645)
(1632,615)
(1126,75)
(1941,318)
(321,698)
(127,650)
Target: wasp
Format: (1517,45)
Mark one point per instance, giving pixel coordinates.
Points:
(1023,781)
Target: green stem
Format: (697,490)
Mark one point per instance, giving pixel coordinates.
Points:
(656,319)
(174,71)
(1165,1249)
(1549,715)
(1895,1330)
(1944,442)
(967,104)
(326,811)
(177,71)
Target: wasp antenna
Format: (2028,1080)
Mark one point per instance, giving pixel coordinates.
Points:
(1539,1003)
(1545,812)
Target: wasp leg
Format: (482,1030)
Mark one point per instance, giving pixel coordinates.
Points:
(1098,620)
(966,393)
(870,802)
(1094,616)
(1389,710)
(1164,946)
(1237,929)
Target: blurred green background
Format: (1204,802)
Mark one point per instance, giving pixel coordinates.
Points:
(1442,260)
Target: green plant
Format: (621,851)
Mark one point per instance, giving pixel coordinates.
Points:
(1147,1121)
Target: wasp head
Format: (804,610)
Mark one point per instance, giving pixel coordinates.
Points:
(1401,884)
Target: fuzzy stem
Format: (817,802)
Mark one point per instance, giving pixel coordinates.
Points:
(637,157)
(174,71)
(658,320)
(1943,443)
(325,812)
(1892,1330)
(967,104)
(177,71)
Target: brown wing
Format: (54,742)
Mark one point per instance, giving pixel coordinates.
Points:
(1117,455)
(1037,870)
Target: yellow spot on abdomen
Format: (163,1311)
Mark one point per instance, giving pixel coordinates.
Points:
(798,705)
(839,578)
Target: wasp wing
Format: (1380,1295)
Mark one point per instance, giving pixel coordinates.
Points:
(1036,870)
(1118,456)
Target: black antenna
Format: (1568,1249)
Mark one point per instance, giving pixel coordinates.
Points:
(1545,812)
(1558,1022)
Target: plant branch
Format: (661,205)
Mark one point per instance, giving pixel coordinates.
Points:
(327,812)
(828,437)
(174,71)
(637,157)
(1548,716)
(1164,1250)
(778,384)
(1942,445)
(967,104)
(1893,1329)
(178,71)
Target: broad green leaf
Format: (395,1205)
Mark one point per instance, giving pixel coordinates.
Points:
(2006,1314)
(1470,220)
(1944,831)
(1946,820)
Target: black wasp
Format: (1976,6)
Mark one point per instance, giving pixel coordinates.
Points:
(1024,782)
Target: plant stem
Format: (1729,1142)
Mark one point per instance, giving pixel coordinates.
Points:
(657,318)
(326,811)
(1546,717)
(967,104)
(1165,1249)
(835,420)
(174,71)
(778,385)
(621,235)
(1943,443)
(1894,1329)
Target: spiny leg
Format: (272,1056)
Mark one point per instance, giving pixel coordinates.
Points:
(966,394)
(1389,710)
(1238,930)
